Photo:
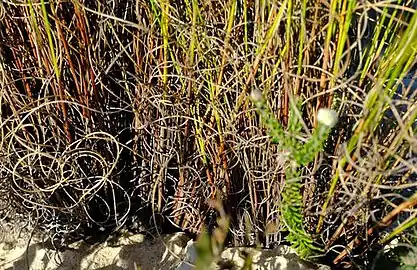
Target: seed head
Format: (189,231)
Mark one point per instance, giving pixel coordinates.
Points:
(327,117)
(256,95)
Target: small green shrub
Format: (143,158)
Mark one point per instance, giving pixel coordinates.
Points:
(297,154)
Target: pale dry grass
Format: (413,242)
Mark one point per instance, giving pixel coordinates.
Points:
(134,113)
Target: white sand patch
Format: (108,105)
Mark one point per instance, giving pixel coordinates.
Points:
(131,252)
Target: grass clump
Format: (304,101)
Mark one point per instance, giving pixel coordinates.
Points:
(116,111)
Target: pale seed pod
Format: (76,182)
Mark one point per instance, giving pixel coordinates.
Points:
(327,117)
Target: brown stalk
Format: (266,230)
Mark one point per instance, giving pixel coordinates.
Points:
(90,77)
(71,65)
(61,93)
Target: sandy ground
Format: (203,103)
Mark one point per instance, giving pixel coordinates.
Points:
(127,252)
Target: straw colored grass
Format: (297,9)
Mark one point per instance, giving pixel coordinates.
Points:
(134,113)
